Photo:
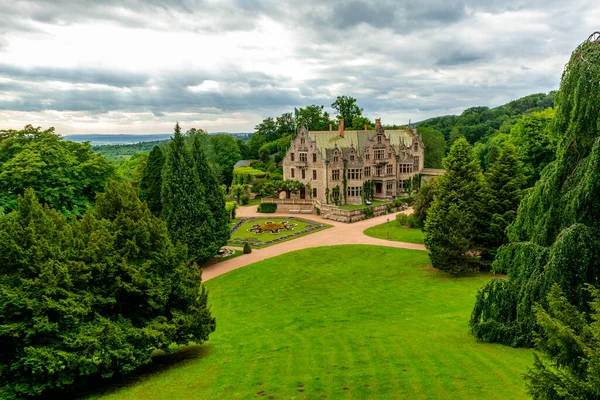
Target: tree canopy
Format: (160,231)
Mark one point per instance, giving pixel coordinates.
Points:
(347,109)
(151,182)
(554,239)
(91,297)
(65,175)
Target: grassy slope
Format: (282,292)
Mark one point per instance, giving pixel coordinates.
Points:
(330,321)
(397,233)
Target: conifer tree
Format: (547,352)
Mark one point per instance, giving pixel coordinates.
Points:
(504,185)
(151,182)
(185,210)
(554,238)
(213,196)
(454,219)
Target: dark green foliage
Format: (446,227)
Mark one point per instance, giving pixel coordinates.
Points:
(504,184)
(247,248)
(407,220)
(348,110)
(560,214)
(368,190)
(313,118)
(218,218)
(423,201)
(267,207)
(224,153)
(368,211)
(455,216)
(65,175)
(435,146)
(93,297)
(187,209)
(570,340)
(151,182)
(245,199)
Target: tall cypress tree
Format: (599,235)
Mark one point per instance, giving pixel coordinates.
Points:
(151,182)
(214,198)
(454,219)
(504,183)
(185,211)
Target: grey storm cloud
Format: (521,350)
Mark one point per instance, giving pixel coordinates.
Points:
(427,57)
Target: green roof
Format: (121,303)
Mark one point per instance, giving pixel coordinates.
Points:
(359,139)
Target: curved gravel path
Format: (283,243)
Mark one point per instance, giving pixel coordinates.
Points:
(340,233)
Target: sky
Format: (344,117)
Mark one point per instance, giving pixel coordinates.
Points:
(224,65)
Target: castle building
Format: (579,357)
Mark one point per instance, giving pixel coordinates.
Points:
(335,165)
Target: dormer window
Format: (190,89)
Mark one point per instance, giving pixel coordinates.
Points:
(314,157)
(351,157)
(302,141)
(292,156)
(378,138)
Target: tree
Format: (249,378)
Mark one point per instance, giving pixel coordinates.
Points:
(455,215)
(536,146)
(358,123)
(185,211)
(213,196)
(225,153)
(66,175)
(91,297)
(435,147)
(346,108)
(569,338)
(313,118)
(151,182)
(504,184)
(286,124)
(554,238)
(423,201)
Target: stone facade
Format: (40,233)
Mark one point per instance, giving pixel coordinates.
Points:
(342,161)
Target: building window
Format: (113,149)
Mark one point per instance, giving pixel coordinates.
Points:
(367,171)
(416,163)
(292,172)
(355,191)
(335,158)
(314,174)
(378,138)
(390,155)
(335,175)
(314,192)
(303,157)
(379,154)
(302,141)
(292,156)
(406,168)
(352,157)
(390,169)
(416,146)
(379,170)
(367,156)
(389,185)
(303,174)
(355,173)
(314,157)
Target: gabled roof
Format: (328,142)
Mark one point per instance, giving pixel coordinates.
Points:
(327,140)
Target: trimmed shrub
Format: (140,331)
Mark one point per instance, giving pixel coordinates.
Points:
(267,207)
(247,248)
(368,212)
(245,199)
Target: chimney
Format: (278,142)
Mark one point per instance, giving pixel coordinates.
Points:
(365,127)
(330,127)
(342,127)
(377,123)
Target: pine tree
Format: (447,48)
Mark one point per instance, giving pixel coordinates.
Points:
(151,182)
(185,210)
(504,185)
(213,196)
(455,216)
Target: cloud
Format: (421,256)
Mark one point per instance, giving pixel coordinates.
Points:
(118,65)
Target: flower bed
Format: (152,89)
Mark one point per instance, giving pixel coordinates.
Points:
(301,227)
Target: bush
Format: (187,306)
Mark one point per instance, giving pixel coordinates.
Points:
(245,199)
(318,210)
(267,207)
(258,184)
(388,209)
(247,248)
(368,212)
(409,221)
(231,206)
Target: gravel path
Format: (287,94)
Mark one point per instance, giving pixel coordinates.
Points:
(340,233)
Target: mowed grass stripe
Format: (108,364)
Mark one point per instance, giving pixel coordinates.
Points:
(341,317)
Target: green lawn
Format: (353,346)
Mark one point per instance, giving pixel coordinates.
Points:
(302,227)
(397,233)
(350,322)
(361,206)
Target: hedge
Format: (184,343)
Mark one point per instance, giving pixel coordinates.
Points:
(267,207)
